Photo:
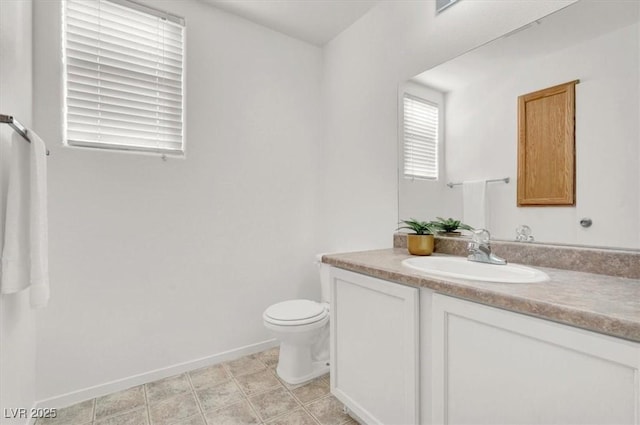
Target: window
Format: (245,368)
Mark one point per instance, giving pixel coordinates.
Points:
(420,133)
(124,81)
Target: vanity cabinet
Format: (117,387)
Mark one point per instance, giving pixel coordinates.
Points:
(403,355)
(374,348)
(492,366)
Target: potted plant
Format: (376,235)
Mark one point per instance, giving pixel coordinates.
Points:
(449,226)
(421,241)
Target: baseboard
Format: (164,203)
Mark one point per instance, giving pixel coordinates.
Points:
(132,381)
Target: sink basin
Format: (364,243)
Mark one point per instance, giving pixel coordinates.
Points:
(458,267)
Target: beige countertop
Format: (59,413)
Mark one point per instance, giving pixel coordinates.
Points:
(596,302)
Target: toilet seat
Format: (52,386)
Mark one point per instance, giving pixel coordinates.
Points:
(295,313)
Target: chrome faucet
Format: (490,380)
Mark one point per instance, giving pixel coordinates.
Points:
(480,248)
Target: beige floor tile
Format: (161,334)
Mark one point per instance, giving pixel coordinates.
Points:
(119,402)
(133,417)
(287,385)
(168,387)
(236,414)
(326,377)
(244,365)
(312,391)
(193,420)
(273,403)
(298,417)
(174,409)
(171,401)
(208,376)
(256,382)
(77,414)
(269,357)
(217,396)
(328,411)
(292,387)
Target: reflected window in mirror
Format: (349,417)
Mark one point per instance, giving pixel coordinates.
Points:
(599,42)
(421,125)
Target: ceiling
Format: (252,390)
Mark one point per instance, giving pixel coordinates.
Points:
(313,21)
(562,29)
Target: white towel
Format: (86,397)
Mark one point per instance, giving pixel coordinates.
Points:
(15,253)
(474,203)
(39,223)
(25,260)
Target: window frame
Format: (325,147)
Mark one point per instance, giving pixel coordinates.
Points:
(429,96)
(179,151)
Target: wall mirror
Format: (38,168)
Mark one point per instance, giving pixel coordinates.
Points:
(597,43)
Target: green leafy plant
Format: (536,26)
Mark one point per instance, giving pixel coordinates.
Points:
(449,225)
(419,227)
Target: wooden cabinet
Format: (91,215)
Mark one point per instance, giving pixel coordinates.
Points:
(546,146)
(374,348)
(492,366)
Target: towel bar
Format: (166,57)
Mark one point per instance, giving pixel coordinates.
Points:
(506,180)
(17,127)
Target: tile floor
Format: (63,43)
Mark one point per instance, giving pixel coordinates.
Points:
(242,391)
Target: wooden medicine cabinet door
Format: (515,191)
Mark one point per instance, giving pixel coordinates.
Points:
(546,146)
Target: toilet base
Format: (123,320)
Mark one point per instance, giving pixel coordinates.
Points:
(301,360)
(318,368)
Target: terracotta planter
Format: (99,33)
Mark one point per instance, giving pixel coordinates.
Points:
(420,244)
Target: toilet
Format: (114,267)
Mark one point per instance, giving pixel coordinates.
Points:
(302,327)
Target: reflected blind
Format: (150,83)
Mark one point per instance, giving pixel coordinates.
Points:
(420,129)
(124,77)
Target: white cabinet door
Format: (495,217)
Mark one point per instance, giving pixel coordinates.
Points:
(491,366)
(374,348)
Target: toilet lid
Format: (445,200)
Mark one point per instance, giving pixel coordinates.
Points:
(295,312)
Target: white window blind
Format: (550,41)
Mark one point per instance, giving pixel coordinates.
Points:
(124,79)
(420,129)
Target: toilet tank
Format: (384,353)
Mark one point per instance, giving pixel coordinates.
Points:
(325,284)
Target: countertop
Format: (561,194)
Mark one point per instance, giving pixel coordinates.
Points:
(601,303)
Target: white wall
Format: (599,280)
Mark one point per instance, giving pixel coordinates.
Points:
(363,67)
(17,319)
(481,141)
(156,263)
